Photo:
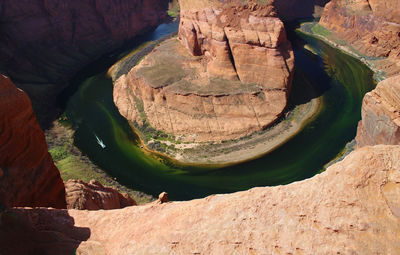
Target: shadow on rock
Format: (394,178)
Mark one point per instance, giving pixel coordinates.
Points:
(39,231)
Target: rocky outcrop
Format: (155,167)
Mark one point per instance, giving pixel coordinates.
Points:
(94,196)
(352,208)
(44,42)
(28,176)
(235,81)
(371,27)
(380,122)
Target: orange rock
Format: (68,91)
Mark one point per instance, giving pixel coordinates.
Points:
(380,122)
(29,176)
(351,208)
(371,27)
(234,82)
(163,198)
(94,196)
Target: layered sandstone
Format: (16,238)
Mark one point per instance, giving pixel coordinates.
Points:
(44,42)
(371,27)
(28,176)
(233,80)
(352,208)
(94,196)
(380,122)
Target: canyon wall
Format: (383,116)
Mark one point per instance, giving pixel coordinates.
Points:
(232,79)
(351,208)
(45,42)
(28,176)
(370,27)
(380,122)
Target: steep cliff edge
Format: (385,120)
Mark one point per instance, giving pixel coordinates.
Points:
(380,122)
(28,176)
(370,27)
(233,81)
(352,208)
(44,42)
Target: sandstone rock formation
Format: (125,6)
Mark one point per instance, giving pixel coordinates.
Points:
(28,176)
(94,196)
(352,208)
(380,122)
(371,27)
(235,81)
(44,42)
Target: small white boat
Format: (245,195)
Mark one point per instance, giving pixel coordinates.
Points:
(100,142)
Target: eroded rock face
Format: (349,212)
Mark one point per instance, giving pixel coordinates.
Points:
(28,176)
(45,42)
(352,208)
(371,27)
(380,122)
(235,81)
(94,196)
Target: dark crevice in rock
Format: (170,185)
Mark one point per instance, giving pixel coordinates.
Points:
(231,57)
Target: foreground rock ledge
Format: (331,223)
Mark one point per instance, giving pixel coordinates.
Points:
(352,208)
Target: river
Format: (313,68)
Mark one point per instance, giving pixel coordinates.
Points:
(340,80)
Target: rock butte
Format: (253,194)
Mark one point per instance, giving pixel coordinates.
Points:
(235,81)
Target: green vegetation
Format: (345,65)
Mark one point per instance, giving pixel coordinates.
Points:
(73,165)
(320,30)
(173,9)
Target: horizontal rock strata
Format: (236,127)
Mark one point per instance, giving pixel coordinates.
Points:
(235,81)
(352,208)
(371,27)
(380,122)
(28,176)
(44,42)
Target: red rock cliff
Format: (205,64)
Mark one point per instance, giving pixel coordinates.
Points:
(44,42)
(371,27)
(39,36)
(380,122)
(28,176)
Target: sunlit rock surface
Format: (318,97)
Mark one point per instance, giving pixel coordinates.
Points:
(229,76)
(352,208)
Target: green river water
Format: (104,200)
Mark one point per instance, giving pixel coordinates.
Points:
(340,80)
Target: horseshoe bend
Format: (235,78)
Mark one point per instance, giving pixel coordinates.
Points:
(227,75)
(273,102)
